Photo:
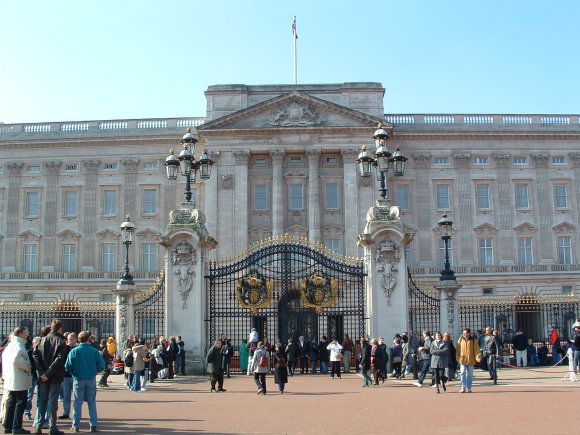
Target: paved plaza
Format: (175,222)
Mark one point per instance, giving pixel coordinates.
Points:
(523,402)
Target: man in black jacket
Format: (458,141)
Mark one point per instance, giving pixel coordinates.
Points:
(520,343)
(49,359)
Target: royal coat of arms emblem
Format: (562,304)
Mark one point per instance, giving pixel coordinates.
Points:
(318,292)
(254,291)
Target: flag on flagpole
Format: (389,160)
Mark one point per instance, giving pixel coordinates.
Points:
(294,28)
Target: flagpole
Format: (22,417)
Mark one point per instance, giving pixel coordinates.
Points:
(295,37)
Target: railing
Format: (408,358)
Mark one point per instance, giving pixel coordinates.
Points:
(500,120)
(11,131)
(464,270)
(72,275)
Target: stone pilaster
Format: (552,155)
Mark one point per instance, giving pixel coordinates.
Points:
(50,217)
(504,214)
(12,218)
(575,163)
(464,216)
(277,157)
(350,202)
(313,156)
(89,214)
(241,203)
(545,213)
(449,308)
(210,206)
(124,313)
(130,194)
(422,164)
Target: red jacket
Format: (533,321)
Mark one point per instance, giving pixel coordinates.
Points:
(554,338)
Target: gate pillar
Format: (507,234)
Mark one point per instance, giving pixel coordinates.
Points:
(449,308)
(124,312)
(384,241)
(187,243)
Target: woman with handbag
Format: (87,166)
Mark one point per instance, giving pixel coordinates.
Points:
(280,367)
(397,355)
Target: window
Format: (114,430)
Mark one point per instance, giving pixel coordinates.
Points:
(150,165)
(443,196)
(560,196)
(74,167)
(33,169)
(149,259)
(409,254)
(402,196)
(260,197)
(520,160)
(331,160)
(149,201)
(295,160)
(261,161)
(28,297)
(485,252)
(333,245)
(70,203)
(481,161)
(69,258)
(488,292)
(442,252)
(109,257)
(522,196)
(567,289)
(32,204)
(558,160)
(30,260)
(441,161)
(482,196)
(295,194)
(331,196)
(110,202)
(107,297)
(565,250)
(111,166)
(525,251)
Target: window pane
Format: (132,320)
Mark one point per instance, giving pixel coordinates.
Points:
(333,245)
(525,251)
(295,191)
(260,197)
(110,203)
(331,196)
(443,196)
(402,194)
(70,203)
(442,252)
(32,204)
(564,250)
(149,260)
(485,252)
(69,258)
(30,258)
(482,196)
(560,196)
(522,200)
(150,201)
(109,257)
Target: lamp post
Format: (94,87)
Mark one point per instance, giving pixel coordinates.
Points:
(446,225)
(127,229)
(381,161)
(188,166)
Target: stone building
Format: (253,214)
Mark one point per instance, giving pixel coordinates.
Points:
(285,164)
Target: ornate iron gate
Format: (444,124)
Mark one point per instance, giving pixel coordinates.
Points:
(286,287)
(150,311)
(96,317)
(423,309)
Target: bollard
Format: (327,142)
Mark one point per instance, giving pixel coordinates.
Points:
(415,368)
(494,365)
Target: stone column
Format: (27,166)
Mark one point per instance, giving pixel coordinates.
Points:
(464,217)
(241,203)
(89,214)
(350,202)
(422,163)
(505,203)
(210,204)
(545,214)
(449,308)
(13,218)
(130,194)
(50,254)
(386,294)
(314,233)
(124,312)
(188,243)
(277,157)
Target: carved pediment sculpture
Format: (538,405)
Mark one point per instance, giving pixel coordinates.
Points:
(295,115)
(387,259)
(183,258)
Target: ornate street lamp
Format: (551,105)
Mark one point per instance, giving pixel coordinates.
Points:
(446,225)
(381,160)
(188,166)
(127,229)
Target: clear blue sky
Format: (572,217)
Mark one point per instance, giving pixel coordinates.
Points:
(92,60)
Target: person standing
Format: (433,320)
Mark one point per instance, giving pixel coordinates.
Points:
(67,382)
(260,366)
(243,356)
(280,367)
(468,355)
(292,354)
(520,343)
(452,363)
(180,363)
(357,350)
(49,359)
(213,360)
(108,362)
(30,349)
(555,343)
(323,355)
(335,357)
(303,354)
(491,351)
(313,355)
(16,370)
(347,347)
(425,356)
(139,355)
(227,352)
(365,361)
(84,362)
(172,351)
(439,360)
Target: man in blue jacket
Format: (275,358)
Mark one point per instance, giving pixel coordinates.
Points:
(84,362)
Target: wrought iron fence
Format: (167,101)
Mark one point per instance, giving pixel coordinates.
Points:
(423,309)
(150,311)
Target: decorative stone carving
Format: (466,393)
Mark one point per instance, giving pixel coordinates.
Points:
(387,258)
(130,165)
(91,166)
(52,167)
(186,216)
(295,115)
(462,160)
(241,157)
(450,299)
(421,160)
(123,319)
(318,292)
(254,291)
(378,213)
(277,155)
(541,160)
(501,160)
(350,156)
(574,159)
(183,258)
(227,181)
(15,169)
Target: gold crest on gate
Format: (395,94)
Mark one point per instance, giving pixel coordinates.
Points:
(254,291)
(318,292)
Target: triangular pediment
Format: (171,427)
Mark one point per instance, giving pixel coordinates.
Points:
(485,230)
(564,228)
(526,228)
(148,233)
(68,234)
(297,231)
(29,235)
(293,110)
(108,234)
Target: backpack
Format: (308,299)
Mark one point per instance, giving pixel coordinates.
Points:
(263,361)
(129,360)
